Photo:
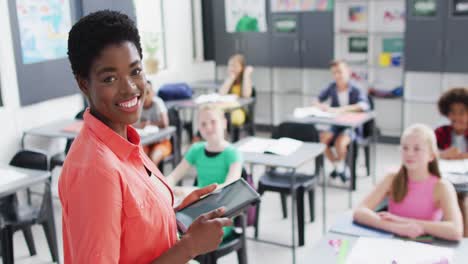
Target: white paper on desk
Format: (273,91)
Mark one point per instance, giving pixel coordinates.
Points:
(453,166)
(147,130)
(215,98)
(282,146)
(9,175)
(302,112)
(380,250)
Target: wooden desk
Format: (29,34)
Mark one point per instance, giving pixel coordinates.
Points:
(306,153)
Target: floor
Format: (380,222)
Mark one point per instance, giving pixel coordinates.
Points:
(272,225)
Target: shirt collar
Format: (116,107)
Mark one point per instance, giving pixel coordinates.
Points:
(119,145)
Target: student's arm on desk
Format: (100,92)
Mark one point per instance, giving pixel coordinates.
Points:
(453,153)
(366,215)
(224,89)
(348,108)
(451,226)
(178,173)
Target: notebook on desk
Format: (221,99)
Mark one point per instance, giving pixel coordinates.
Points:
(282,146)
(302,112)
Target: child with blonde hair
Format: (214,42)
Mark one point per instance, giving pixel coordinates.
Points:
(238,82)
(215,159)
(419,201)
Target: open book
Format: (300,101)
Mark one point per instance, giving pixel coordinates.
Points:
(454,166)
(282,146)
(147,130)
(215,98)
(302,112)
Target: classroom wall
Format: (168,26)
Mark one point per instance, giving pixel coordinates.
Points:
(15,119)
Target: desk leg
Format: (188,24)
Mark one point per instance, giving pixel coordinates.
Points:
(374,153)
(352,185)
(293,215)
(324,196)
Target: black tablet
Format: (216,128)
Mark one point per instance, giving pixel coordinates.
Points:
(235,197)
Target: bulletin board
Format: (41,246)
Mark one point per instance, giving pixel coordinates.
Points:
(40,32)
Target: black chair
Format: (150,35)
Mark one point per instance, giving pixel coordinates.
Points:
(175,156)
(14,217)
(369,130)
(280,182)
(59,158)
(249,124)
(236,242)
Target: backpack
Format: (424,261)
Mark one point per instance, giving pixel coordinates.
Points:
(175,91)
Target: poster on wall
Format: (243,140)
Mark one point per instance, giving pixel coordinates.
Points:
(43,28)
(301,5)
(245,16)
(358,44)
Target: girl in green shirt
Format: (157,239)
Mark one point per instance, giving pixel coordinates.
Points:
(215,160)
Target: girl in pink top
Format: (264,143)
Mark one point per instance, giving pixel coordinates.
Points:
(420,202)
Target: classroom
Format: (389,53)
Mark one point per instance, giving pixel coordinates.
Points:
(234,131)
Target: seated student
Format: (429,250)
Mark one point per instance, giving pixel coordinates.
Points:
(420,202)
(215,160)
(238,82)
(345,97)
(155,113)
(452,139)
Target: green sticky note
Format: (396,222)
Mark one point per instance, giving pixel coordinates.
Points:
(392,45)
(424,8)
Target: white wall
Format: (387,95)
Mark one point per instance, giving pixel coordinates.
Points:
(15,119)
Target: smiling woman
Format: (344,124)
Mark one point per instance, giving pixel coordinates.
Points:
(117,207)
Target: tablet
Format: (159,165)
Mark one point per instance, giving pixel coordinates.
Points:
(235,197)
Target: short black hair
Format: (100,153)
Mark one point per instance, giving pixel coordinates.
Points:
(452,96)
(94,32)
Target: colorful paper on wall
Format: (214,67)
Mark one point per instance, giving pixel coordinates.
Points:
(385,59)
(460,7)
(245,16)
(357,14)
(301,5)
(43,29)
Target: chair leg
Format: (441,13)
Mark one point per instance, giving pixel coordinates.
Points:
(28,236)
(367,157)
(257,216)
(284,205)
(242,255)
(28,194)
(300,215)
(51,236)
(312,205)
(7,246)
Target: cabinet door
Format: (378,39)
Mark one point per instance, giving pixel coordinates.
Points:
(123,6)
(317,39)
(456,41)
(285,44)
(425,25)
(226,44)
(256,47)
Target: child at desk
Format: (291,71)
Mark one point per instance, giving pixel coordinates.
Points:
(155,113)
(420,202)
(452,139)
(344,97)
(215,160)
(238,82)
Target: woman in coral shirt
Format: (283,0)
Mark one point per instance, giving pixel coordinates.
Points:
(117,207)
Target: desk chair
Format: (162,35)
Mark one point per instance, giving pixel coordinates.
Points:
(14,218)
(175,156)
(249,124)
(237,241)
(59,158)
(280,182)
